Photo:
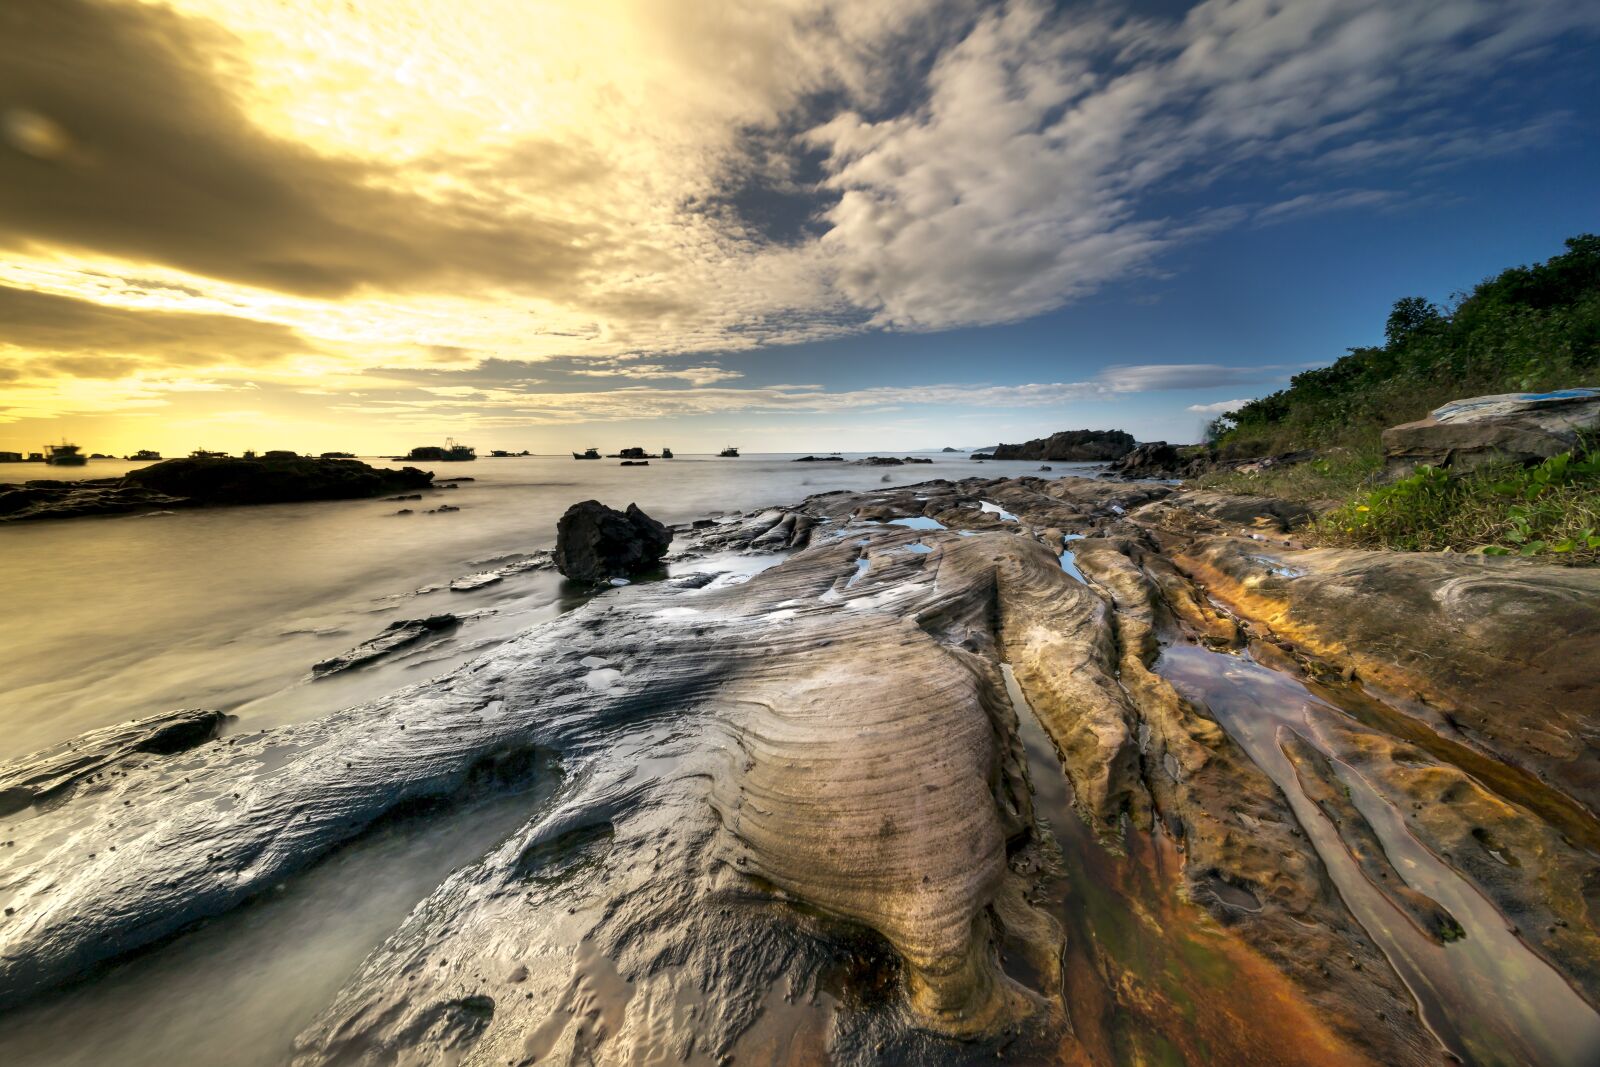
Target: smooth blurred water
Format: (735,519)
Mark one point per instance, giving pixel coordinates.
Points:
(118,617)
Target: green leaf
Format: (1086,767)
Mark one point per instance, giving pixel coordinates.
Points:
(1532,548)
(1495,550)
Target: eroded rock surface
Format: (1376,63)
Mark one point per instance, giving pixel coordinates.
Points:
(798,816)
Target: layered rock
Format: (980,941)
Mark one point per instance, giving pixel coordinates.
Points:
(816,780)
(1518,428)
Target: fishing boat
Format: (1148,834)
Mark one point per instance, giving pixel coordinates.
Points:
(450,453)
(201,453)
(666,453)
(64,455)
(729,453)
(588,453)
(146,455)
(632,453)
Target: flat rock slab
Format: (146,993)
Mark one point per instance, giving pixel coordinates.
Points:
(1487,430)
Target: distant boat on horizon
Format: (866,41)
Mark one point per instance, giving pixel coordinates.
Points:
(588,453)
(64,455)
(729,453)
(201,453)
(146,455)
(666,453)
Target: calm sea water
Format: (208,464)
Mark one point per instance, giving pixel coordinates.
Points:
(114,618)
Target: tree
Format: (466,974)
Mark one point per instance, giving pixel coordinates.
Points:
(1411,315)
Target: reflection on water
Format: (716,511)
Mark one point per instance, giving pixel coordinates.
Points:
(1148,977)
(1488,997)
(1069,562)
(114,618)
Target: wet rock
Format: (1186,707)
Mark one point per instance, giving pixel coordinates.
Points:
(53,772)
(1504,648)
(1505,428)
(398,635)
(594,542)
(469,582)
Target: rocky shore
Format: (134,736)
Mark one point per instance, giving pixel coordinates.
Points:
(207,482)
(1078,770)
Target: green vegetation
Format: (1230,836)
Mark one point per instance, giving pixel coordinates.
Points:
(1528,329)
(1333,476)
(1552,510)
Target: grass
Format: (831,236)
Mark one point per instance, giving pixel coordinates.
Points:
(1335,476)
(1551,511)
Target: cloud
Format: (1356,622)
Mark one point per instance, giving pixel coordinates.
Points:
(65,335)
(1218,408)
(156,161)
(692,375)
(1149,377)
(308,189)
(1024,178)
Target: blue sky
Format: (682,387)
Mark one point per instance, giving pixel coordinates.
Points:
(866,225)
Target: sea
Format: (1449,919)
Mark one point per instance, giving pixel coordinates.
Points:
(114,618)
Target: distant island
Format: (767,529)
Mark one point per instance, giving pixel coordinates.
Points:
(276,478)
(1085,446)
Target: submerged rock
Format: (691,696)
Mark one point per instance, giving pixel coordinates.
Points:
(594,542)
(397,635)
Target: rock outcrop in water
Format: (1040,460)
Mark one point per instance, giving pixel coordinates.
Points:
(397,635)
(594,542)
(800,816)
(1068,446)
(208,481)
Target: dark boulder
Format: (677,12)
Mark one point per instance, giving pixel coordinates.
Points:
(1153,459)
(594,542)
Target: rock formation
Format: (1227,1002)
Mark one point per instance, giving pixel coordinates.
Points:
(397,635)
(1508,428)
(1068,446)
(594,542)
(922,793)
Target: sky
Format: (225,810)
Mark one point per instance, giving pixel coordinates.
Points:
(365,225)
